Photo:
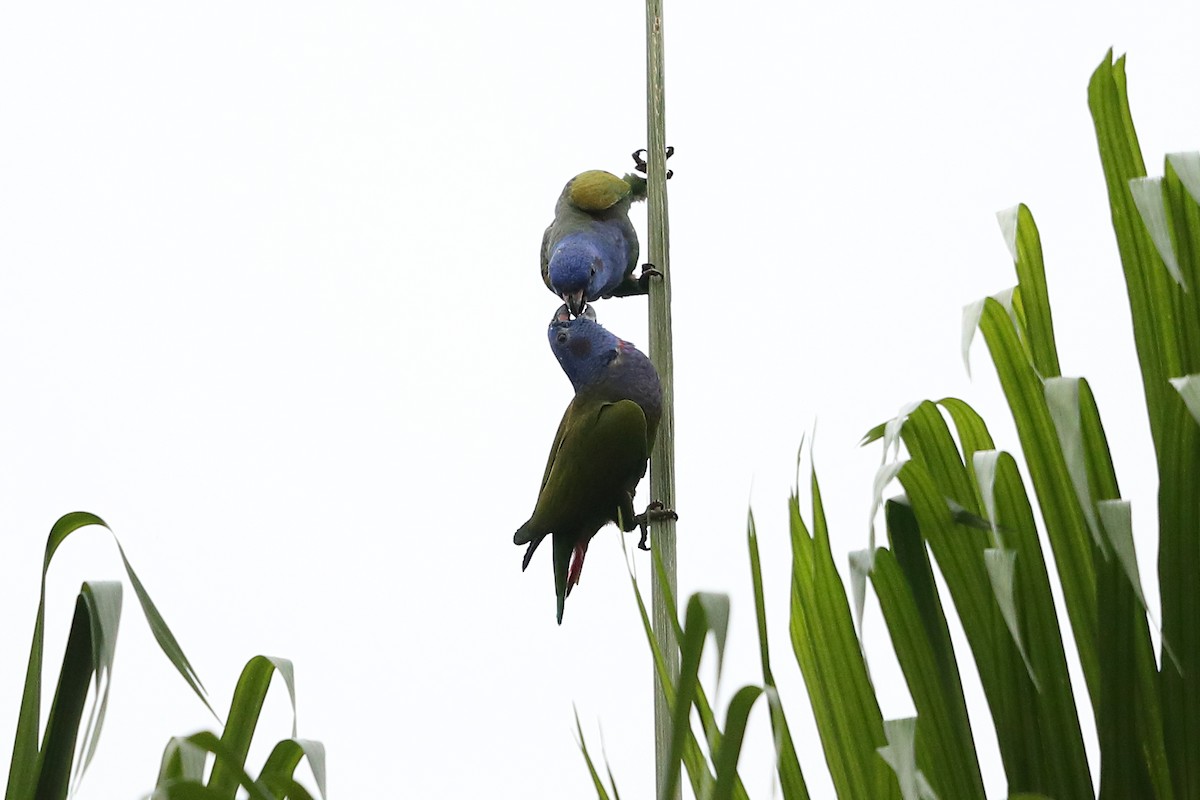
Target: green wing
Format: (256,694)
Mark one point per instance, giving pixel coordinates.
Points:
(546,256)
(596,190)
(600,449)
(563,424)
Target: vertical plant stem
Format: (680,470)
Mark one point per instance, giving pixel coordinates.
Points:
(662,459)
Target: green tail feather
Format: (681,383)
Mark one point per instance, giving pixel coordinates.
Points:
(527,533)
(637,186)
(563,547)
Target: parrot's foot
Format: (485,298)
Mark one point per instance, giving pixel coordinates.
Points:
(639,160)
(648,271)
(654,511)
(634,286)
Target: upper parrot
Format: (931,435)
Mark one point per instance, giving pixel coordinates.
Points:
(590,249)
(599,453)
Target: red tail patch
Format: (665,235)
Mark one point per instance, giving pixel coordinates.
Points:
(576,565)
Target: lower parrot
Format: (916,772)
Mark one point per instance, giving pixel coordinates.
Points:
(601,447)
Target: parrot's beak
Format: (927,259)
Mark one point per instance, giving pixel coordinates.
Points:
(575,302)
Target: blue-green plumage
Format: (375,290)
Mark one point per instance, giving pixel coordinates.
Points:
(600,450)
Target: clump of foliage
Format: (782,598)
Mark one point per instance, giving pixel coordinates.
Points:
(966,503)
(47,771)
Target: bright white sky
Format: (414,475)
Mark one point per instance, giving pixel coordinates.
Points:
(271,307)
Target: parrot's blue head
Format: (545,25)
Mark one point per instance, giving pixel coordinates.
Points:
(596,360)
(583,347)
(573,265)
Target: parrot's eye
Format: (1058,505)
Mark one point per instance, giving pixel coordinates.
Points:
(562,337)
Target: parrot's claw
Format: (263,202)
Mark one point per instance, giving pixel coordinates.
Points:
(654,511)
(648,271)
(639,160)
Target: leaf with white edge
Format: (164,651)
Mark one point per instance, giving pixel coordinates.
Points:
(1032,299)
(1005,299)
(285,668)
(23,772)
(1116,518)
(696,628)
(984,463)
(1062,399)
(892,428)
(104,604)
(278,773)
(972,313)
(883,476)
(244,711)
(1187,167)
(314,751)
(209,742)
(1147,196)
(901,755)
(58,751)
(921,642)
(182,761)
(1001,564)
(1008,228)
(1189,389)
(707,720)
(830,658)
(716,607)
(1066,525)
(861,564)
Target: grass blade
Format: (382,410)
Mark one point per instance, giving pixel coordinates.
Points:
(830,657)
(62,728)
(701,608)
(791,778)
(103,600)
(699,774)
(601,792)
(731,745)
(1025,244)
(278,773)
(946,747)
(232,761)
(1066,524)
(244,710)
(23,770)
(182,762)
(162,633)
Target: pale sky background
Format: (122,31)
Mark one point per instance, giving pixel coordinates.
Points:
(270,305)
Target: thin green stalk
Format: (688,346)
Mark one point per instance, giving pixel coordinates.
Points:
(662,459)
